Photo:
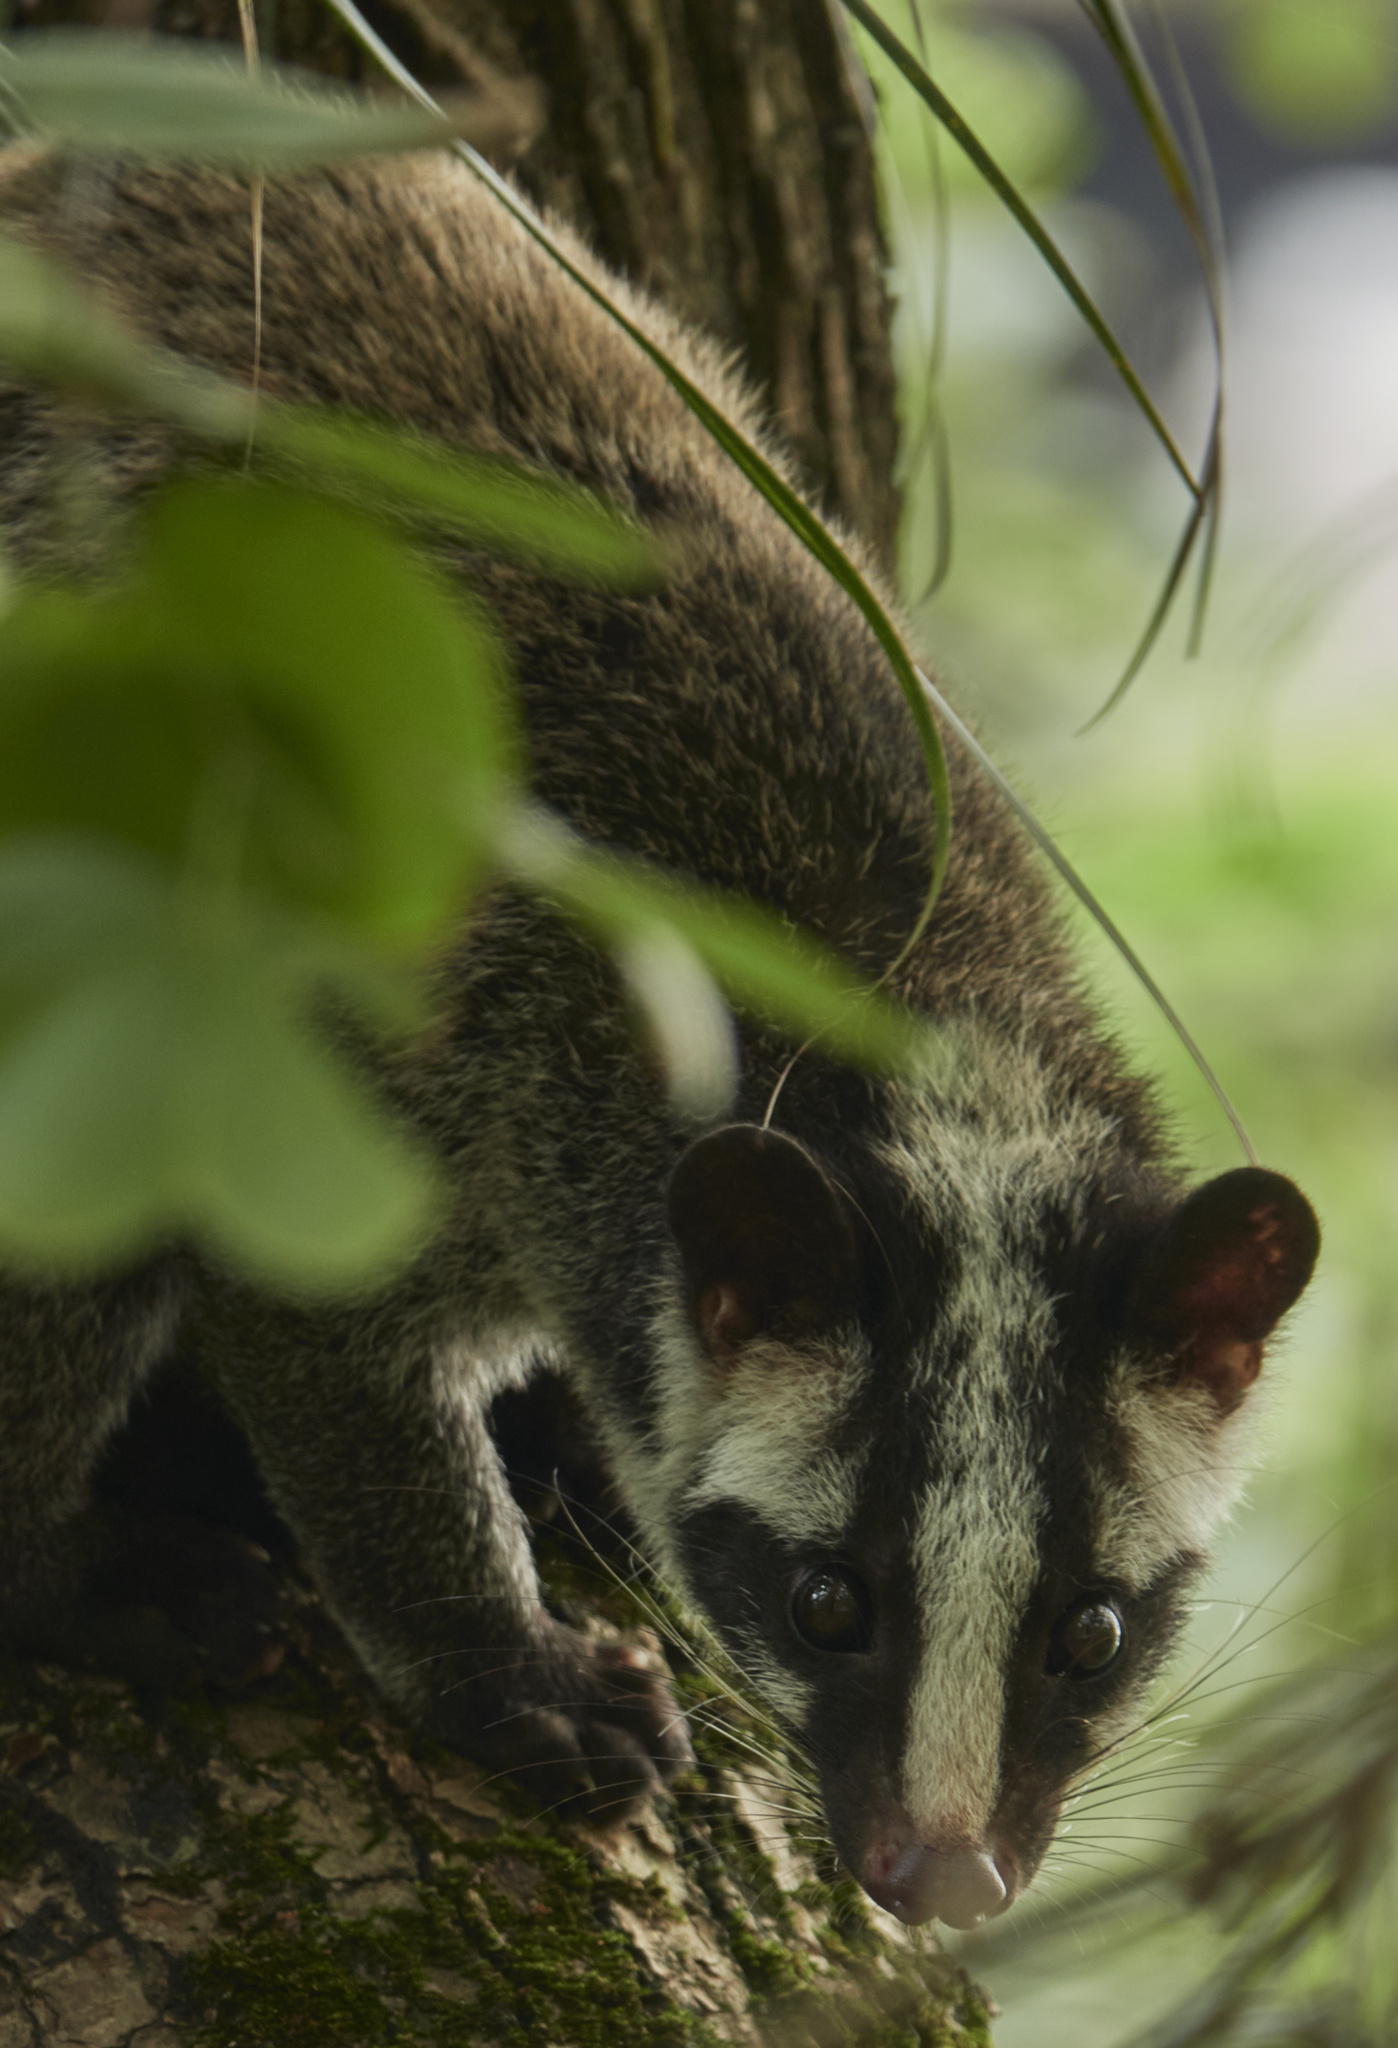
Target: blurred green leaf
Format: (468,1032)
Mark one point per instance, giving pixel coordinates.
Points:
(157,1077)
(103,91)
(502,508)
(684,1014)
(280,694)
(764,965)
(320,617)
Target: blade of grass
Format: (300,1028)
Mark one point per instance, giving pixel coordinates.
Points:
(1010,197)
(1208,551)
(1192,187)
(1201,219)
(807,526)
(1199,513)
(1193,195)
(1213,263)
(1046,844)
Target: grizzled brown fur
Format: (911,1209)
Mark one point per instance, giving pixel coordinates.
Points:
(739,725)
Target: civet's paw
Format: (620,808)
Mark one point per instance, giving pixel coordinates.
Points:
(585,1727)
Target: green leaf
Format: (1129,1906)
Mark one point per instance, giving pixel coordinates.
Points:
(91,90)
(285,1161)
(766,966)
(684,1015)
(161,1080)
(280,694)
(508,510)
(54,332)
(323,618)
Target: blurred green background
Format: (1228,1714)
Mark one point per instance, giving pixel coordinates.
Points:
(1237,814)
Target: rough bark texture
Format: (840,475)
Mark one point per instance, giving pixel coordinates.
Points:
(293,1867)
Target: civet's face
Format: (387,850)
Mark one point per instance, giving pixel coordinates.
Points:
(941,1454)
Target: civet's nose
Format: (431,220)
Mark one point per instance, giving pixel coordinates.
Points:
(961,1887)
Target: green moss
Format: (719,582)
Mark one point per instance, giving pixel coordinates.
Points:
(729,1861)
(847,1933)
(769,1968)
(512,1921)
(573,1978)
(291,1986)
(257,1859)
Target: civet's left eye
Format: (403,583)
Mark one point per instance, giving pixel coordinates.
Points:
(831,1610)
(1085,1640)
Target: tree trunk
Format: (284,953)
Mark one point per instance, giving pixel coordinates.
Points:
(292,1867)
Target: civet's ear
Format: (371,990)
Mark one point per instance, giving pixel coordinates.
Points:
(768,1248)
(1232,1259)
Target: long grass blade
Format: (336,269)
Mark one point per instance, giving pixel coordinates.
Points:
(1189,179)
(807,526)
(1208,551)
(1213,265)
(1010,197)
(1046,844)
(1199,514)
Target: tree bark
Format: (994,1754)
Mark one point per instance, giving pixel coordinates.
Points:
(293,1868)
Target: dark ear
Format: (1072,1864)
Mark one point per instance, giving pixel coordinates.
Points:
(767,1245)
(1232,1259)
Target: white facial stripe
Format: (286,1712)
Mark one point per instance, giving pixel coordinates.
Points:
(976,1558)
(982,1182)
(1187,1468)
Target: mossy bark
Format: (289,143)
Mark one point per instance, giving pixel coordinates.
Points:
(294,1868)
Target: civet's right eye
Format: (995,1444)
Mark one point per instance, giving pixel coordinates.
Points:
(831,1610)
(1086,1639)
